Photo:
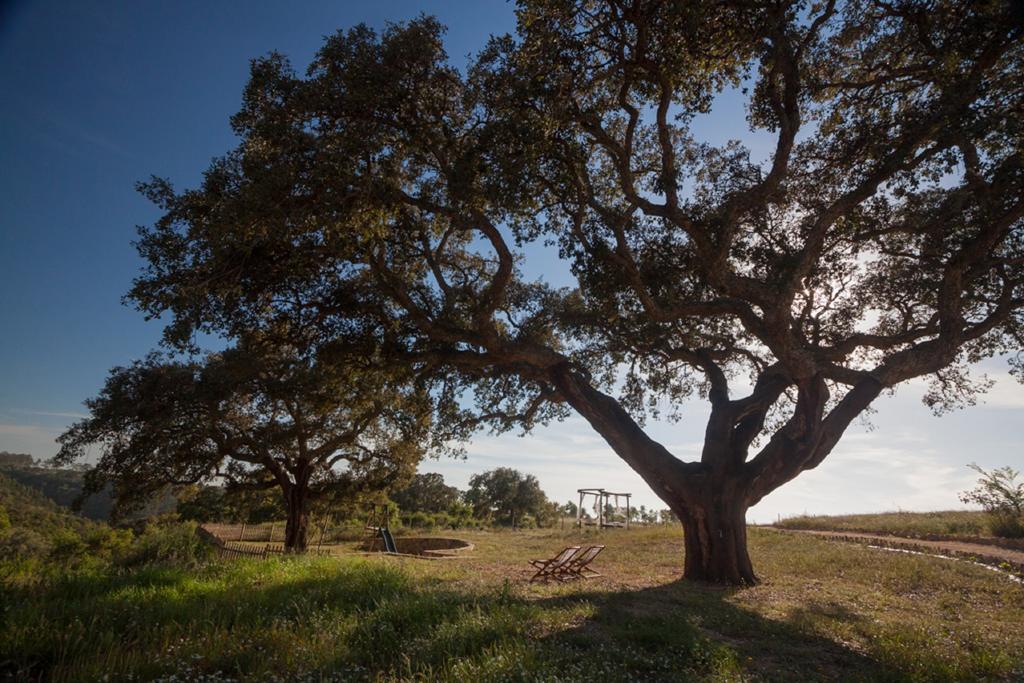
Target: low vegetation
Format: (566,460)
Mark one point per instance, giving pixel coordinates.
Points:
(80,601)
(42,542)
(911,524)
(64,486)
(825,611)
(1002,497)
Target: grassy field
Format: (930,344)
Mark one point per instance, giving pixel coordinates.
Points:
(947,522)
(826,611)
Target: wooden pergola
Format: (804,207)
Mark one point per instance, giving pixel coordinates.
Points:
(603,497)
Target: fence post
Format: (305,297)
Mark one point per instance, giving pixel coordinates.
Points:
(241,532)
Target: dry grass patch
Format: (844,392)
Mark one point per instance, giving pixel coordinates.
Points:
(825,611)
(911,524)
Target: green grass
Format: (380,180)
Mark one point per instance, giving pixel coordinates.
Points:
(340,620)
(948,522)
(825,611)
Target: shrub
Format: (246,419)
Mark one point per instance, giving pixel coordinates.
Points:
(1006,526)
(168,542)
(460,515)
(420,520)
(1000,495)
(67,547)
(108,544)
(23,543)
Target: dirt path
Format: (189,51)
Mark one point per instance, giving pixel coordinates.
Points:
(986,554)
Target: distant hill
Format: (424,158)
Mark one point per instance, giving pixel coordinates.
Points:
(63,486)
(16,459)
(27,507)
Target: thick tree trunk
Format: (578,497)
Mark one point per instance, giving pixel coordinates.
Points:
(295,531)
(715,541)
(710,497)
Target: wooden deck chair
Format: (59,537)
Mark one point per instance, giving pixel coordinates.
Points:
(551,569)
(578,566)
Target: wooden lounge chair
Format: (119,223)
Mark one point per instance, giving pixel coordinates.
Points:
(552,569)
(578,566)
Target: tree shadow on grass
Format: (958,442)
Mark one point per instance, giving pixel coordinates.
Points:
(372,619)
(693,620)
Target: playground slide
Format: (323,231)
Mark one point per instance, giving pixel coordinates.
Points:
(389,540)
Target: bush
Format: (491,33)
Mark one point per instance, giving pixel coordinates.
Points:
(67,547)
(460,515)
(420,520)
(107,544)
(1006,526)
(23,543)
(1002,497)
(168,542)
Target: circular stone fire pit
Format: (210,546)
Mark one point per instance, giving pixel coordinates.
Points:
(425,547)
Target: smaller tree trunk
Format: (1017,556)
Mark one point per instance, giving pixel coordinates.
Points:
(295,532)
(715,540)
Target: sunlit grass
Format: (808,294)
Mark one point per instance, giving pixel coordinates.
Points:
(946,522)
(825,611)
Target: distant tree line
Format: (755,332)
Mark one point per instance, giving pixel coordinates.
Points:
(502,497)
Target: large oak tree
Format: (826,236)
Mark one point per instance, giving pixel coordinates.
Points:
(390,198)
(507,496)
(255,416)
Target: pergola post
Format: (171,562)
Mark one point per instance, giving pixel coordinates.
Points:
(603,500)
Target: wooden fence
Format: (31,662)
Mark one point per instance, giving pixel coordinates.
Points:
(246,532)
(233,549)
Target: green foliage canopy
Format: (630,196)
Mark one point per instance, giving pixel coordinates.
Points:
(426,492)
(507,496)
(257,416)
(388,198)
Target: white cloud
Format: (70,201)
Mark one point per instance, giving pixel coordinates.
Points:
(911,461)
(35,440)
(1007,393)
(873,472)
(43,413)
(21,431)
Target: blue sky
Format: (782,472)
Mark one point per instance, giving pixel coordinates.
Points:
(97,96)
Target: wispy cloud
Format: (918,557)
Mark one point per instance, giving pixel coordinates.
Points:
(40,442)
(24,431)
(873,472)
(45,413)
(37,437)
(1006,393)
